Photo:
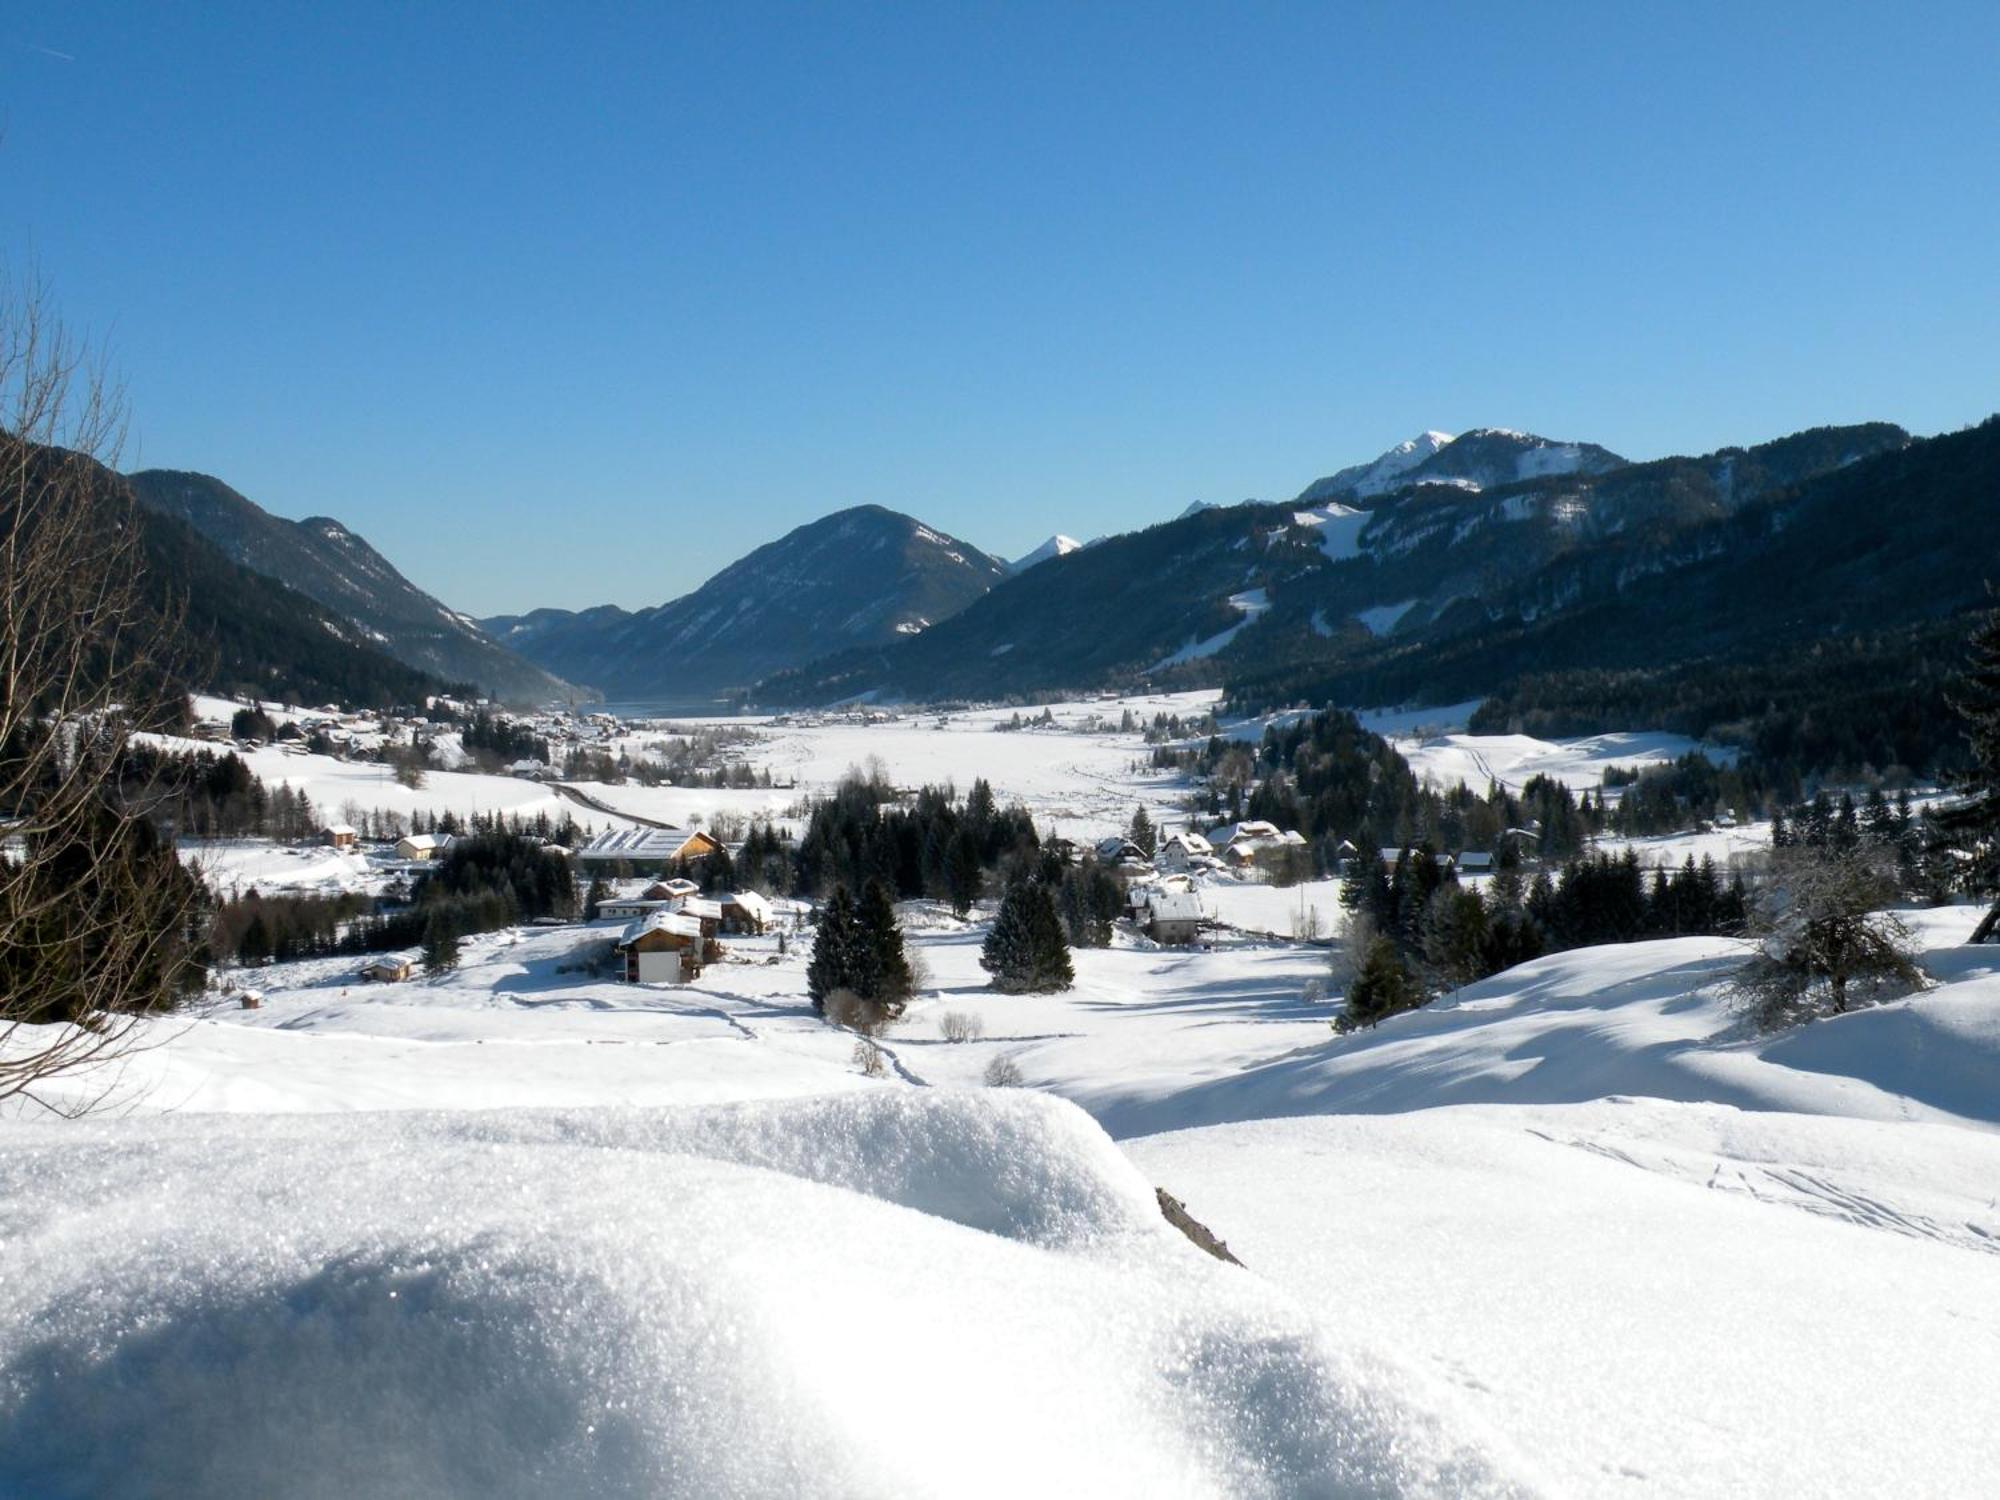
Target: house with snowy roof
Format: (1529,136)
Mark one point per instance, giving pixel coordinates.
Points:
(746,912)
(1174,917)
(1182,851)
(662,947)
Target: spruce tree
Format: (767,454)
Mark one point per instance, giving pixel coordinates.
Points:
(962,874)
(1143,833)
(881,968)
(832,966)
(1008,953)
(1052,970)
(1974,824)
(1382,988)
(1026,952)
(440,951)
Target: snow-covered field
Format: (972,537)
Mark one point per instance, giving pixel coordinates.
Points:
(1513,760)
(524,1230)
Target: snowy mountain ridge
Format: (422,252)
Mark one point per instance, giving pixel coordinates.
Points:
(1056,546)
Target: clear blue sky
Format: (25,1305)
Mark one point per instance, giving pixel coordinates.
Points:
(567,304)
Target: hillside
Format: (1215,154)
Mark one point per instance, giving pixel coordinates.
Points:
(860,577)
(1848,588)
(227,628)
(1262,595)
(322,559)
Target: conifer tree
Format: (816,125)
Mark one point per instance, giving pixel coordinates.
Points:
(962,875)
(1026,952)
(1053,970)
(1975,823)
(1382,988)
(881,967)
(832,964)
(440,951)
(1143,833)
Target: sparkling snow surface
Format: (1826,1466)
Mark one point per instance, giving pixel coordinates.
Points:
(521,1230)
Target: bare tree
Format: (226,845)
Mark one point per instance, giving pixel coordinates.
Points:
(96,914)
(1825,944)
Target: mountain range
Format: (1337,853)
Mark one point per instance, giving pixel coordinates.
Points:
(860,578)
(1490,526)
(1487,564)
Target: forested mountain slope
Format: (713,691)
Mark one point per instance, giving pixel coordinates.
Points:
(324,560)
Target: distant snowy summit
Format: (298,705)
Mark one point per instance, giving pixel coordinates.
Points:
(1481,459)
(1359,481)
(1056,546)
(1196,507)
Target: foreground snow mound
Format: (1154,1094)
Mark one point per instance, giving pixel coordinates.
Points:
(1654,1298)
(877,1294)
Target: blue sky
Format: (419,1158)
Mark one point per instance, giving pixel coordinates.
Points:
(568,304)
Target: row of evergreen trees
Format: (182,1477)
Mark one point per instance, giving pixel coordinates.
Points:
(487,880)
(1418,931)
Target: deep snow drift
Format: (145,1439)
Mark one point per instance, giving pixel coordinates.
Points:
(895,1293)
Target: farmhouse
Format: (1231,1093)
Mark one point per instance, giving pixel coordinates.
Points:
(662,947)
(420,846)
(1182,851)
(648,847)
(624,908)
(746,912)
(1174,917)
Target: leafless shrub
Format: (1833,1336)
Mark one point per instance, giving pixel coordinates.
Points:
(1003,1073)
(869,1058)
(868,1017)
(96,913)
(961,1026)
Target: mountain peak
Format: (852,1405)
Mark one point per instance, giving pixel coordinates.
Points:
(865,576)
(1381,474)
(1479,459)
(1056,546)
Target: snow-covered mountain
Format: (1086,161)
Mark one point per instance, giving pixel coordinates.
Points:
(327,562)
(1492,526)
(1362,481)
(1483,459)
(1056,546)
(861,577)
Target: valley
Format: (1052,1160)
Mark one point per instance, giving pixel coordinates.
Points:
(1522,1217)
